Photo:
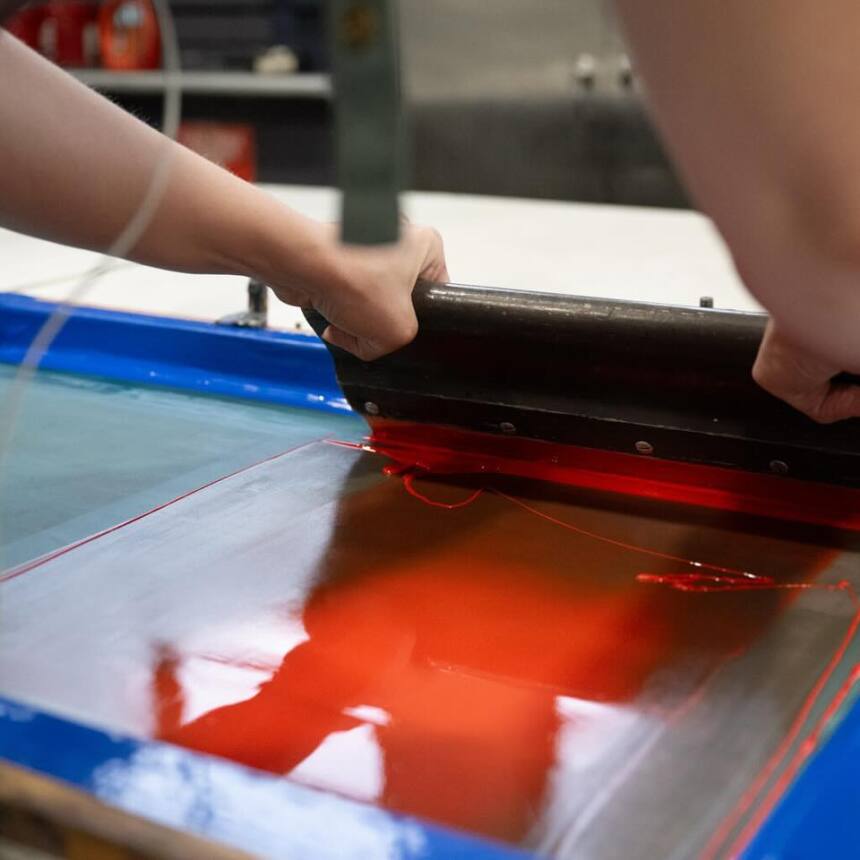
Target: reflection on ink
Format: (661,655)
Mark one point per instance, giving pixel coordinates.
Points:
(455,658)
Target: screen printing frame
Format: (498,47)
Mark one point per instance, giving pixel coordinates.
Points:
(816,817)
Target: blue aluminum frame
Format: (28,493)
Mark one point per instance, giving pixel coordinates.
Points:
(253,364)
(817,818)
(260,813)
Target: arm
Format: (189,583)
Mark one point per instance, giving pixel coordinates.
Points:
(74,168)
(756,102)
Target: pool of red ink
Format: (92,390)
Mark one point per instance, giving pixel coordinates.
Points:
(465,627)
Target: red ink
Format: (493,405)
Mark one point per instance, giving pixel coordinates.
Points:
(447,450)
(168,693)
(708,582)
(730,580)
(394,469)
(409,484)
(704,582)
(723,579)
(735,579)
(353,446)
(464,631)
(622,544)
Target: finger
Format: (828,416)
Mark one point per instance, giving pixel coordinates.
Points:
(436,271)
(291,296)
(803,395)
(435,265)
(442,274)
(341,339)
(839,403)
(824,403)
(360,348)
(801,380)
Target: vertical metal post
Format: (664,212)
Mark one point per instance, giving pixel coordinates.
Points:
(256,315)
(368,138)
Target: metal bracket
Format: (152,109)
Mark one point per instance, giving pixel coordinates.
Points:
(257,314)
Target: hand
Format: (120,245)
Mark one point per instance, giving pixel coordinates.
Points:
(365,292)
(803,380)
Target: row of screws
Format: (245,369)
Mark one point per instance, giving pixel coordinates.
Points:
(778,467)
(589,71)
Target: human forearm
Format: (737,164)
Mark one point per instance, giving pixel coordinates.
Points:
(76,168)
(811,291)
(755,102)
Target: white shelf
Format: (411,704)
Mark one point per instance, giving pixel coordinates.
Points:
(307,85)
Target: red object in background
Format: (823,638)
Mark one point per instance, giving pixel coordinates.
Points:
(129,35)
(229,145)
(69,32)
(65,31)
(26,25)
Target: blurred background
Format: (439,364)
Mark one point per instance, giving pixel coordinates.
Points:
(526,99)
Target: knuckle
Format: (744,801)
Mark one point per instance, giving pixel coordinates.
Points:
(764,378)
(408,331)
(367,350)
(398,336)
(818,409)
(759,375)
(425,233)
(404,335)
(823,419)
(839,405)
(821,414)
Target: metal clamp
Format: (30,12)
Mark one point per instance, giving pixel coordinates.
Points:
(257,314)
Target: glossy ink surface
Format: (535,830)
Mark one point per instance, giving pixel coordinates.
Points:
(559,668)
(443,450)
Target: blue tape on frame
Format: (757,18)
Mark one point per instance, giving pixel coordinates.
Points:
(216,799)
(274,367)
